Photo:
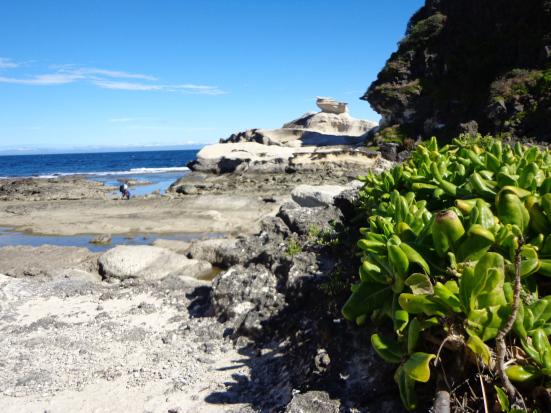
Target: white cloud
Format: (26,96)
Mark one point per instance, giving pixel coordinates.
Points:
(6,63)
(42,80)
(105,79)
(110,84)
(93,72)
(185,88)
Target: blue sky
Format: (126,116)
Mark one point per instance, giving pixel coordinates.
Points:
(76,73)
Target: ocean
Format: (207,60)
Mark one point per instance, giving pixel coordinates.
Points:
(160,168)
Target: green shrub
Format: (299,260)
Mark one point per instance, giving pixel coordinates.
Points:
(448,236)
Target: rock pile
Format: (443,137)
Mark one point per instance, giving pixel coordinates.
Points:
(275,292)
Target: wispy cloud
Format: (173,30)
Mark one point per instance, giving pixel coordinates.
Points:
(6,63)
(92,72)
(185,88)
(42,80)
(104,79)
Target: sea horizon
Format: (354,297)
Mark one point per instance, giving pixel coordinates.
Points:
(97,165)
(83,150)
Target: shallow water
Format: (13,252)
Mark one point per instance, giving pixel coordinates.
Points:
(157,181)
(14,238)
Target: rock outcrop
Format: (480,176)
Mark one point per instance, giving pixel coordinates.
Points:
(474,65)
(62,188)
(303,142)
(278,293)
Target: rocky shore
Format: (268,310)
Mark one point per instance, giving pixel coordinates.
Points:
(235,324)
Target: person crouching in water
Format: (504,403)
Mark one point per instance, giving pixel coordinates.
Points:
(125,193)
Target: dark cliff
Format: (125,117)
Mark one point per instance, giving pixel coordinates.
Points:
(466,65)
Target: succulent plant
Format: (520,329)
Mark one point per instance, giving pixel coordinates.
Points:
(447,231)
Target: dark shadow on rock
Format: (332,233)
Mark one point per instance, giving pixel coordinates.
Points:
(287,325)
(201,302)
(309,350)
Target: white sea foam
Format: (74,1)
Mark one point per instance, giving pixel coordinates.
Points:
(132,171)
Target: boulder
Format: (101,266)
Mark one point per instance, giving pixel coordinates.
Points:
(247,297)
(218,251)
(303,220)
(316,196)
(148,263)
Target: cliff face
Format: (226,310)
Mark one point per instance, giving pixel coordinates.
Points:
(467,65)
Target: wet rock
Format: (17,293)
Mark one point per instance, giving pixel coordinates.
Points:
(313,402)
(148,263)
(247,297)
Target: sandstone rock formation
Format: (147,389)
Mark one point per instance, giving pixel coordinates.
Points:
(311,141)
(467,66)
(329,105)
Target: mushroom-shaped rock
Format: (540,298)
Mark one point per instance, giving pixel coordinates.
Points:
(329,105)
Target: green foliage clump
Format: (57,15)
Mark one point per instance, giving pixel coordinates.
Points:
(449,234)
(293,247)
(400,91)
(425,29)
(390,134)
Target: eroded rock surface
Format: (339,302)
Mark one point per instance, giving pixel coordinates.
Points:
(63,188)
(146,262)
(47,261)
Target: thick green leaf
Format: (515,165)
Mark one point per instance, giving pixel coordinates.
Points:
(477,346)
(401,319)
(365,298)
(399,261)
(414,330)
(388,349)
(541,312)
(406,387)
(417,366)
(542,346)
(444,296)
(521,374)
(414,257)
(420,304)
(372,272)
(483,286)
(484,323)
(502,399)
(419,284)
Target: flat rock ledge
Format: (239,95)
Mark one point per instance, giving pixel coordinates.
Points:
(148,263)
